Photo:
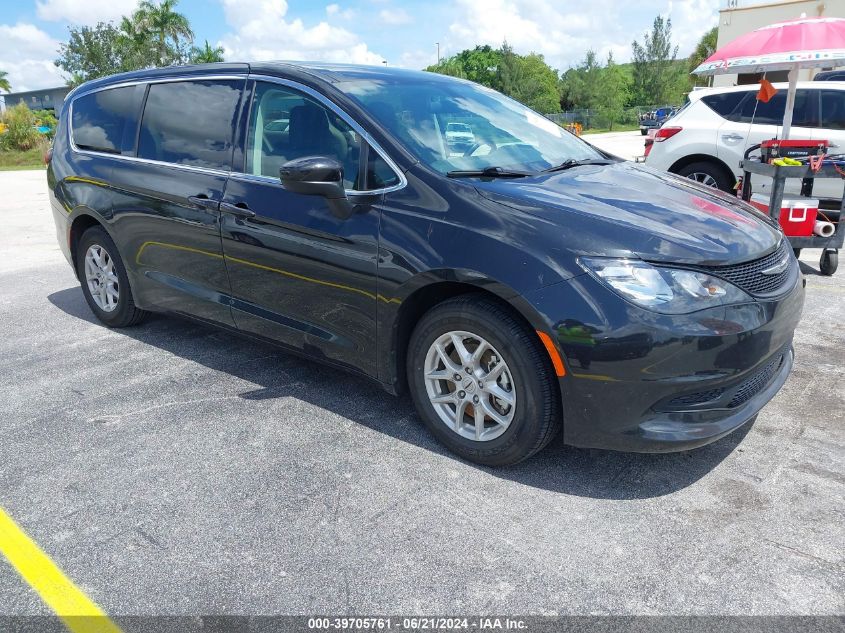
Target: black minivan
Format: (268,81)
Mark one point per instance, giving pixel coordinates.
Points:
(517,282)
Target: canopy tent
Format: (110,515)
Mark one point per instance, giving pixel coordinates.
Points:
(801,43)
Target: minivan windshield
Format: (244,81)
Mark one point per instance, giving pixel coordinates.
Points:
(453,125)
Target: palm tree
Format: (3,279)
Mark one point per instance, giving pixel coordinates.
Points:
(4,83)
(206,55)
(163,24)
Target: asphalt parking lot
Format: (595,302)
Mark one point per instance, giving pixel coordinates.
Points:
(176,469)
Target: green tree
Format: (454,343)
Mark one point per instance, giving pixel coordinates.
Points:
(449,66)
(657,79)
(529,80)
(705,48)
(206,54)
(539,88)
(481,65)
(136,45)
(526,78)
(4,83)
(92,52)
(511,72)
(166,28)
(579,86)
(613,86)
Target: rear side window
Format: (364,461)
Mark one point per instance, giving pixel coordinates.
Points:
(726,105)
(105,121)
(190,123)
(833,109)
(771,112)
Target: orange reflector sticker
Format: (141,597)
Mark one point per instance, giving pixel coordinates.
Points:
(557,361)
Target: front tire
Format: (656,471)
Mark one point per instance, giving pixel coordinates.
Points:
(104,281)
(482,382)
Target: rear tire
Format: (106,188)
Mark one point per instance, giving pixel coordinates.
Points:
(709,174)
(523,393)
(104,281)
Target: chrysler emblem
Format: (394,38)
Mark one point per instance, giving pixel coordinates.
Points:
(776,269)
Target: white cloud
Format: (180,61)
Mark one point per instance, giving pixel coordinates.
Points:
(690,20)
(261,32)
(417,59)
(27,55)
(334,10)
(84,11)
(394,17)
(563,34)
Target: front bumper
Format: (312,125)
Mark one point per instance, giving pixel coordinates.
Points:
(691,428)
(646,382)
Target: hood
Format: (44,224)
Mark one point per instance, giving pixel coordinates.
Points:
(627,209)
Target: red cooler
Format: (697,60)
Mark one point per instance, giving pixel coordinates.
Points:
(797,215)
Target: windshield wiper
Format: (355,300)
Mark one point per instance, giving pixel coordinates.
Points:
(569,163)
(488,172)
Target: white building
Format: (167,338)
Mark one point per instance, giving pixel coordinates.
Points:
(738,17)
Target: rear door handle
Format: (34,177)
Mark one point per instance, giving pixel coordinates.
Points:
(204,202)
(732,137)
(240,209)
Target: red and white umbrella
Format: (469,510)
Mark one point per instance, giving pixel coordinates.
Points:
(800,43)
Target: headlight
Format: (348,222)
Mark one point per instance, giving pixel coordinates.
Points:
(661,289)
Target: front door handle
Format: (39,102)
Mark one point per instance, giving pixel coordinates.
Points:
(732,137)
(240,209)
(204,202)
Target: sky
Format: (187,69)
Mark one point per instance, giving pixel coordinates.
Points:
(399,32)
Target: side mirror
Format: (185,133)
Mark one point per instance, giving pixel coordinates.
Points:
(318,176)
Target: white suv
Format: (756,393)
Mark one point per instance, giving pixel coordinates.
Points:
(706,139)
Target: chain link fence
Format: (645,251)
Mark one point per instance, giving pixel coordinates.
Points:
(591,118)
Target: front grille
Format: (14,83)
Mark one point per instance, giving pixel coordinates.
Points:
(757,382)
(749,276)
(699,397)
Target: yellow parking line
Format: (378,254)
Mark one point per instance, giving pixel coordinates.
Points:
(76,610)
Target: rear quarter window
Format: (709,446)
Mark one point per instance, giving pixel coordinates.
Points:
(105,121)
(726,105)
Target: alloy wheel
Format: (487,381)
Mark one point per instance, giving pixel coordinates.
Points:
(470,386)
(101,277)
(704,178)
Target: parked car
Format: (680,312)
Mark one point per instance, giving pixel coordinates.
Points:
(459,136)
(830,75)
(536,286)
(654,119)
(706,139)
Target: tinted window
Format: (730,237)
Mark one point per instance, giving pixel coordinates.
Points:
(101,119)
(190,123)
(725,104)
(833,109)
(285,124)
(771,112)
